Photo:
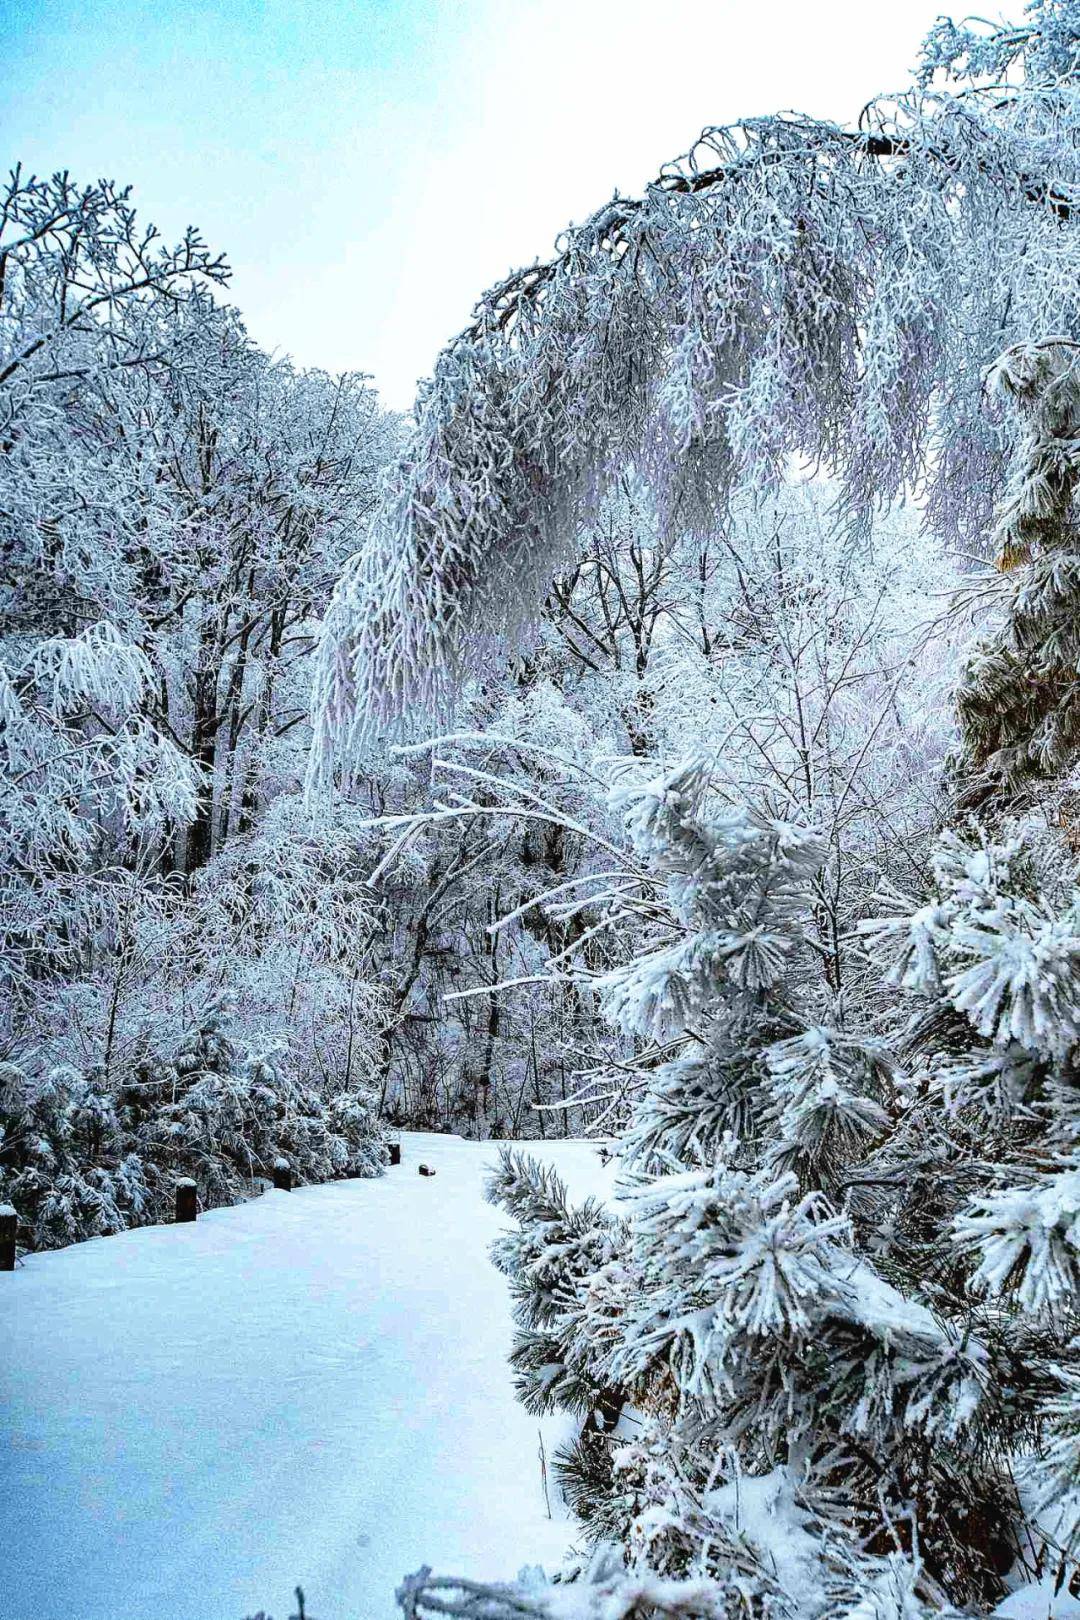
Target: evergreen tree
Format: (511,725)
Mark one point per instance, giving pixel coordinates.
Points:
(980,1183)
(1019,700)
(764,1346)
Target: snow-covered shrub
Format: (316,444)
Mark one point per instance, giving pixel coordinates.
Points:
(82,1158)
(65,1163)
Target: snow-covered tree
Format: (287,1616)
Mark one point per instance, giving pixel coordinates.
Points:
(173,507)
(748,1334)
(992,955)
(83,1157)
(1018,703)
(792,290)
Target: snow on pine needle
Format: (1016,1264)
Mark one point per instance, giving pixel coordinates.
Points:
(737,884)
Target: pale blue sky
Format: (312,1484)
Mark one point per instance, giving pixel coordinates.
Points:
(370,166)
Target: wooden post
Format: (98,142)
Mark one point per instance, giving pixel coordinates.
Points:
(187,1199)
(9,1225)
(395,1152)
(283,1175)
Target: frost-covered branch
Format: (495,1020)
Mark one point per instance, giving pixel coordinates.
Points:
(789,289)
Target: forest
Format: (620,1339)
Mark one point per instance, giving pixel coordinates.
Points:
(667,734)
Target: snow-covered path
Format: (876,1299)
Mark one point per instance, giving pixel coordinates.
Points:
(310,1388)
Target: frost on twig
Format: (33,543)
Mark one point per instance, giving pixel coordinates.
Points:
(617,1596)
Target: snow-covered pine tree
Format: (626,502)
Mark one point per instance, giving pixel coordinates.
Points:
(976,1192)
(1019,700)
(739,884)
(845,1293)
(793,1417)
(64,1164)
(978,1187)
(225,1114)
(568,1288)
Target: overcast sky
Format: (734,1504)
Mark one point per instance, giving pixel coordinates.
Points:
(371,166)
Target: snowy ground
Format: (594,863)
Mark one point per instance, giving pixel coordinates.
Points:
(310,1388)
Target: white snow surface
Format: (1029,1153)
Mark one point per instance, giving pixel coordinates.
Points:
(1039,1601)
(310,1388)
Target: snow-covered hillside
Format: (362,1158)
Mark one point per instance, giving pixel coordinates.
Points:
(310,1388)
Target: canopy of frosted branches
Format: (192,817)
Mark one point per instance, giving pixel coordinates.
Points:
(789,296)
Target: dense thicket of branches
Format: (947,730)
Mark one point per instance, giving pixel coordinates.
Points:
(789,290)
(173,508)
